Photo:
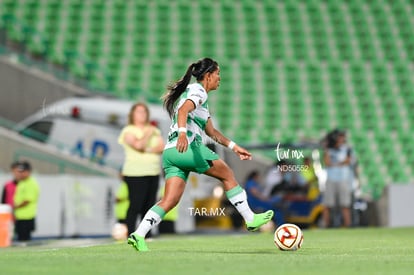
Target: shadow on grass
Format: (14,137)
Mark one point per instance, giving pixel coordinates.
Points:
(254,252)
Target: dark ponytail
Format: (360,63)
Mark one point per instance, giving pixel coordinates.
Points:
(175,90)
(198,70)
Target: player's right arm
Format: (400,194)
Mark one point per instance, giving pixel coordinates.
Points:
(217,136)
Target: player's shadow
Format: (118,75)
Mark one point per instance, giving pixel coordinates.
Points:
(255,252)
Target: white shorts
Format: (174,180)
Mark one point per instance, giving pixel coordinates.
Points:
(337,192)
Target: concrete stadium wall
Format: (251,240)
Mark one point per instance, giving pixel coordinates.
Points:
(395,205)
(25,89)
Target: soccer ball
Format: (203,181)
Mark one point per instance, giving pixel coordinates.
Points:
(288,237)
(119,231)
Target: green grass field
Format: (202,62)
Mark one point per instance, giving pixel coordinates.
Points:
(333,251)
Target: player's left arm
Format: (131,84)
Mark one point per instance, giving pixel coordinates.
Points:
(218,137)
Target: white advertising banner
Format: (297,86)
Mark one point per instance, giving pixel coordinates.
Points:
(71,206)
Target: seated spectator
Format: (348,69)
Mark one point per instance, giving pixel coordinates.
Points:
(306,187)
(273,178)
(291,179)
(311,179)
(258,201)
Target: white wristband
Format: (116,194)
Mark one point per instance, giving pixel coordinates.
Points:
(182,130)
(231,145)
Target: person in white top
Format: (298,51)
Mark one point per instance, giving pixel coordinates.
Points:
(184,152)
(338,157)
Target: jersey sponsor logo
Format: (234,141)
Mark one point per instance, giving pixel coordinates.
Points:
(172,136)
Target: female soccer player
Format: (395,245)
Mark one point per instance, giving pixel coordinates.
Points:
(184,152)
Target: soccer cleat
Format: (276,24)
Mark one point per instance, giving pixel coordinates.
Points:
(137,242)
(259,220)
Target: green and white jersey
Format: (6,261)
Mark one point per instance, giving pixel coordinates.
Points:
(196,120)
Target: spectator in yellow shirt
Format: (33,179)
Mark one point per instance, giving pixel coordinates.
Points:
(143,146)
(25,202)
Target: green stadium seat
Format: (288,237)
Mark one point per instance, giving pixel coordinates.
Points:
(57,56)
(36,44)
(17,33)
(7,7)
